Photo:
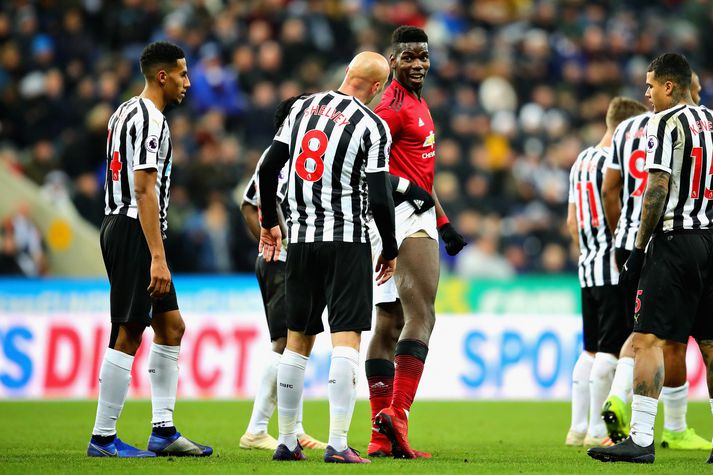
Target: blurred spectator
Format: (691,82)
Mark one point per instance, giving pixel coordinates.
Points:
(516,89)
(214,86)
(21,247)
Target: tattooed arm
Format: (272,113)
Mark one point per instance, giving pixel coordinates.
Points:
(652,206)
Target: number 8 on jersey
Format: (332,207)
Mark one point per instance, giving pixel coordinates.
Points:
(309,165)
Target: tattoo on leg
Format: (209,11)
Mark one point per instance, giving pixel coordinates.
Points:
(651,388)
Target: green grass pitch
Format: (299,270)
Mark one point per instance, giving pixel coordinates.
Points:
(465,437)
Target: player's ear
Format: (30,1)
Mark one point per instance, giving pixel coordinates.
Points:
(161,77)
(392,61)
(669,87)
(376,88)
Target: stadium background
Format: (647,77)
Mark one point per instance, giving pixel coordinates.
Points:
(516,88)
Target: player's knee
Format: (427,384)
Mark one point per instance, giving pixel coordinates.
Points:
(126,342)
(177,330)
(279,345)
(645,341)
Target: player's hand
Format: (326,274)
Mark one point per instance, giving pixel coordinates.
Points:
(420,199)
(160,279)
(384,269)
(631,270)
(454,241)
(270,243)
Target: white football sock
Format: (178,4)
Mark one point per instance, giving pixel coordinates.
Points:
(599,383)
(580,392)
(290,383)
(265,398)
(114,379)
(163,375)
(299,428)
(643,417)
(343,374)
(623,382)
(675,405)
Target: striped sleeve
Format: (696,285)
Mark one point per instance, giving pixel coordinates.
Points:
(661,138)
(149,124)
(284,133)
(617,147)
(250,193)
(572,179)
(377,144)
(282,181)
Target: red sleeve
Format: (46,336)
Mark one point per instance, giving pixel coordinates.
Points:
(392,118)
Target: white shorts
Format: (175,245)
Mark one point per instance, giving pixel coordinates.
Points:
(407,223)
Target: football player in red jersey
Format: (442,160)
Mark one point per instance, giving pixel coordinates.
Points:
(405,309)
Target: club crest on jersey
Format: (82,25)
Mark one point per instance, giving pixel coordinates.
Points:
(151,143)
(430,140)
(652,143)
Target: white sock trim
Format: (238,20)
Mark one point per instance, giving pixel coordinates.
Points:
(292,358)
(346,352)
(122,360)
(166,351)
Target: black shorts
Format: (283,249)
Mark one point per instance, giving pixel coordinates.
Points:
(335,275)
(675,295)
(603,327)
(271,279)
(128,264)
(628,292)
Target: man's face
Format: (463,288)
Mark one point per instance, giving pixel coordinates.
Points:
(411,65)
(658,93)
(177,82)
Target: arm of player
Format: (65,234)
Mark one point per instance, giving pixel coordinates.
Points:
(652,206)
(611,197)
(381,204)
(147,203)
(453,240)
(572,224)
(651,210)
(405,190)
(270,234)
(252,220)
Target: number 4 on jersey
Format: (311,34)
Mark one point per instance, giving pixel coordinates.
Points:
(115,166)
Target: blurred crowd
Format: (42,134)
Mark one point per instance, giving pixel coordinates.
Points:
(517,89)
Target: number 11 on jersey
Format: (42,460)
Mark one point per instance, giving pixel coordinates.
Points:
(593,213)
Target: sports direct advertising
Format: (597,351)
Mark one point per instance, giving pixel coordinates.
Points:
(53,335)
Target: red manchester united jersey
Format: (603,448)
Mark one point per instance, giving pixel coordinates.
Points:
(413,150)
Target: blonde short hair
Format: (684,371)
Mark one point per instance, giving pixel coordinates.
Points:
(621,108)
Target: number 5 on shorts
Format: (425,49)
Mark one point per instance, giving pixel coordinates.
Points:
(309,165)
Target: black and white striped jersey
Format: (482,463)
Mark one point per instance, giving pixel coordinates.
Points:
(596,244)
(252,191)
(334,140)
(138,139)
(629,158)
(680,142)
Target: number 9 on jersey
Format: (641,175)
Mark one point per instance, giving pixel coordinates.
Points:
(309,164)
